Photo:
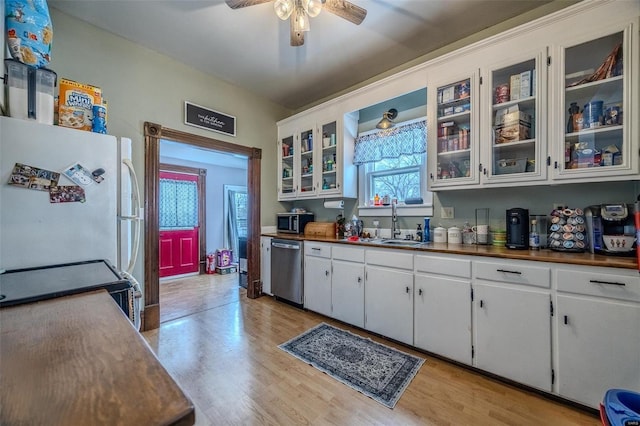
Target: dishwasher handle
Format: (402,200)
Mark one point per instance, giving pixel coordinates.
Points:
(286,246)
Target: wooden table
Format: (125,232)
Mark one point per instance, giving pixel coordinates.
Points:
(78,360)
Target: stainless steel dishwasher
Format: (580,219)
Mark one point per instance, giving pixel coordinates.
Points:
(287,271)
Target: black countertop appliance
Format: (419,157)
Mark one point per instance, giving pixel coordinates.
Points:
(517,228)
(607,222)
(28,285)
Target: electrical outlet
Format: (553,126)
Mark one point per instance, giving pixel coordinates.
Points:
(446,212)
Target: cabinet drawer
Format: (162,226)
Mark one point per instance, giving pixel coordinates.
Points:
(443,266)
(344,252)
(602,282)
(390,258)
(513,272)
(317,249)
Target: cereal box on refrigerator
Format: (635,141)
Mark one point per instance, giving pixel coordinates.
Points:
(75,104)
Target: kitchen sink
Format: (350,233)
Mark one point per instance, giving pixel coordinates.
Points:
(400,243)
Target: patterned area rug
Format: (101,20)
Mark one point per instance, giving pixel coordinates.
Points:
(376,370)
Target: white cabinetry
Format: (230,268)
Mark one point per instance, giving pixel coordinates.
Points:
(598,333)
(315,156)
(347,295)
(317,277)
(512,321)
(388,301)
(265,264)
(595,96)
(442,306)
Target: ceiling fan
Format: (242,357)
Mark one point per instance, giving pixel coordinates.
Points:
(301,10)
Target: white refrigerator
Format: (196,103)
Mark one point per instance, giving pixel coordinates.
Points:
(95,215)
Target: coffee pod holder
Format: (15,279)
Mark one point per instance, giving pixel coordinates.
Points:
(567,230)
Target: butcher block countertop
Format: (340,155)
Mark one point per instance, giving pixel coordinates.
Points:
(544,255)
(77,360)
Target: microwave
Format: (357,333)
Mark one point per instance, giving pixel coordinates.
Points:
(294,223)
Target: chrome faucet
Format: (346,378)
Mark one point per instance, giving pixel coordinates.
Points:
(395,232)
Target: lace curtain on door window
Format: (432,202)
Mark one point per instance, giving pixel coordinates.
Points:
(178,204)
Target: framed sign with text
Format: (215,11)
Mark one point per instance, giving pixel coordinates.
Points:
(205,118)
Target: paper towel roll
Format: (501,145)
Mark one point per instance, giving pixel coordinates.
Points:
(334,204)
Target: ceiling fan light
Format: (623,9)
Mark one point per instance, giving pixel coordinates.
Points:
(283,8)
(312,7)
(300,20)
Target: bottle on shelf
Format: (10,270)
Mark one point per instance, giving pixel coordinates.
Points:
(534,237)
(376,200)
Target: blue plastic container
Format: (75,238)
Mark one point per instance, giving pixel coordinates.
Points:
(426,233)
(592,115)
(622,407)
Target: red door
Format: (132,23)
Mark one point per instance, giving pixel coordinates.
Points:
(178,242)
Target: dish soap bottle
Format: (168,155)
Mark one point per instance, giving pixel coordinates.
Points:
(534,237)
(419,233)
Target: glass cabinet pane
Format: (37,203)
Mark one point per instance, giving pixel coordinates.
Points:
(594,104)
(330,166)
(287,185)
(514,148)
(454,131)
(306,162)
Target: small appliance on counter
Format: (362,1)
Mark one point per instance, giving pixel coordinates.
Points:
(294,222)
(517,228)
(611,229)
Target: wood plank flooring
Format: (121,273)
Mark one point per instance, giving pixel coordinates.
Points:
(225,357)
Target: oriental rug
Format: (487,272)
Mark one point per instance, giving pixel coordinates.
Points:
(373,369)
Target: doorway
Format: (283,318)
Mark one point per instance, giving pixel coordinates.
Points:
(154,133)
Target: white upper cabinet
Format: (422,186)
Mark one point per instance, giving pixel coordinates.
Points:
(595,104)
(513,120)
(452,127)
(315,157)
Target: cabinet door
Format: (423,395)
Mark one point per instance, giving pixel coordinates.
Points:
(598,347)
(388,303)
(453,159)
(514,121)
(513,333)
(595,88)
(347,292)
(305,142)
(317,284)
(442,316)
(265,264)
(329,169)
(287,173)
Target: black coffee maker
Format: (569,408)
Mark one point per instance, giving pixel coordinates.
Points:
(517,229)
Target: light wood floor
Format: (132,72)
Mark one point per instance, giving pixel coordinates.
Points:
(225,357)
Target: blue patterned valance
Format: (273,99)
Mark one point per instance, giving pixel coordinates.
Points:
(391,143)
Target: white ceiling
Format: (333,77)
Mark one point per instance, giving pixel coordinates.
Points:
(250,47)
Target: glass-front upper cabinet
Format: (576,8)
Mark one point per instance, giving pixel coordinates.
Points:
(597,77)
(330,162)
(514,123)
(453,159)
(305,160)
(286,167)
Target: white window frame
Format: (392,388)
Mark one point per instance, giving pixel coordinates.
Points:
(365,173)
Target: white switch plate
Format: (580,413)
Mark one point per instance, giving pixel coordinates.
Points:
(446,213)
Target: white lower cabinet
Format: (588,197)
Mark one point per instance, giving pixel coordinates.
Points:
(442,307)
(317,278)
(512,333)
(598,336)
(347,296)
(265,264)
(388,303)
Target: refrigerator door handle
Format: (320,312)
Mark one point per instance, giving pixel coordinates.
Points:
(135,216)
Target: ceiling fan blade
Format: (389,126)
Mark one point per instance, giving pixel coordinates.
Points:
(345,9)
(237,4)
(297,37)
